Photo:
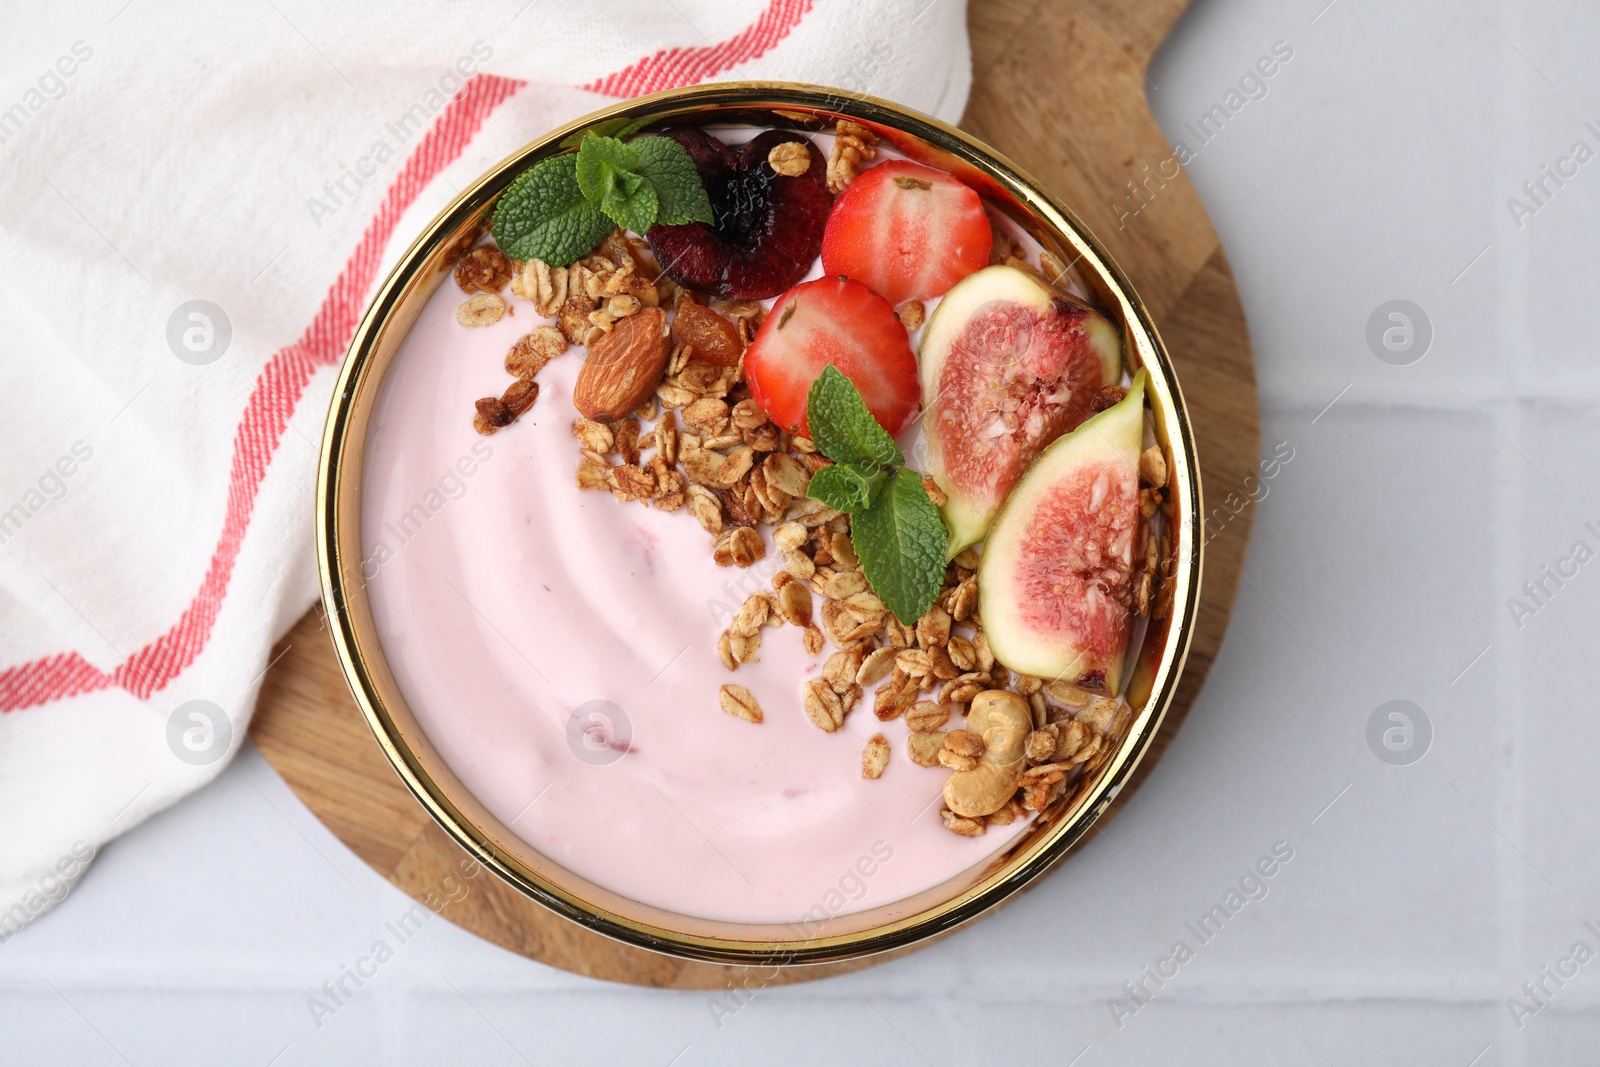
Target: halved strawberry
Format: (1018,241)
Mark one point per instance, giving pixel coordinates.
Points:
(909,231)
(839,321)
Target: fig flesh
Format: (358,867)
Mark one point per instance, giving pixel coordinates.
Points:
(1007,366)
(1054,579)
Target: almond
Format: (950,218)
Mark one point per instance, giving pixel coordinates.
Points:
(623,367)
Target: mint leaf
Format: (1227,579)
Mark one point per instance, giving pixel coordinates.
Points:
(841,426)
(846,487)
(599,157)
(630,201)
(670,169)
(543,215)
(901,540)
(608,175)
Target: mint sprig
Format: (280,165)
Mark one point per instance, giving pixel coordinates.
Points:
(895,529)
(560,209)
(900,540)
(841,426)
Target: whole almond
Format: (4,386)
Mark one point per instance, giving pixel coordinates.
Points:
(623,367)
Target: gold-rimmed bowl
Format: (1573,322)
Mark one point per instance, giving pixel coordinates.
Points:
(1158,660)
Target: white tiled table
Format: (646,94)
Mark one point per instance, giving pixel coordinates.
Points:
(1377,167)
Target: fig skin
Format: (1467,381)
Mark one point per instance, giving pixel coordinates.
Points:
(768,228)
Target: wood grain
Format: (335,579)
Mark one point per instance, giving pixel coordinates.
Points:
(1059,86)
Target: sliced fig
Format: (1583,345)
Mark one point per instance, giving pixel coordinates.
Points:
(768,227)
(1053,582)
(1007,366)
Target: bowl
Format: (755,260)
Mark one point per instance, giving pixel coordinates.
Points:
(1158,659)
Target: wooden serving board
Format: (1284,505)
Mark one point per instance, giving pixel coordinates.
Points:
(1060,88)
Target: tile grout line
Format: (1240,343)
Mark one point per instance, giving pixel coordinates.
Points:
(1446,401)
(1512,336)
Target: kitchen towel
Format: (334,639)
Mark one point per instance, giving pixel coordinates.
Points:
(196,201)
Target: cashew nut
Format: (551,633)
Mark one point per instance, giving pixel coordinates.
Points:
(1004,721)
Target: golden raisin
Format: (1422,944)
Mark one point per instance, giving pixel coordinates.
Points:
(492,414)
(712,337)
(519,396)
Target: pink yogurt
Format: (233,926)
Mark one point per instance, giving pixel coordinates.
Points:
(559,649)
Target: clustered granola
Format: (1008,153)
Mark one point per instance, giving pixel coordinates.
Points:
(710,448)
(484,269)
(852,144)
(587,299)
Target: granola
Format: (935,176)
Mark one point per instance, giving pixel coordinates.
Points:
(853,144)
(737,701)
(875,757)
(484,269)
(481,309)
